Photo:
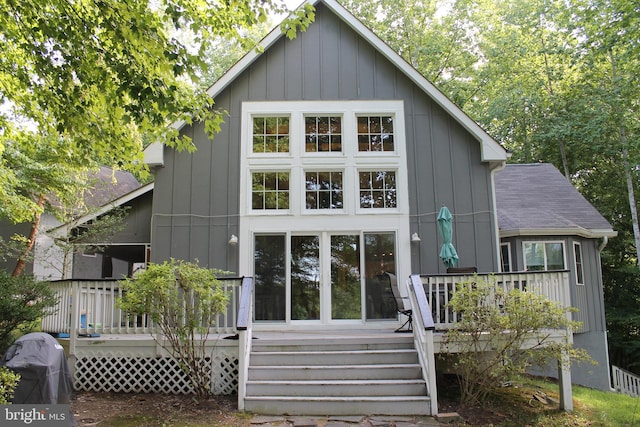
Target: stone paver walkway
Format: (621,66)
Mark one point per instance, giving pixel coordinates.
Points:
(343,421)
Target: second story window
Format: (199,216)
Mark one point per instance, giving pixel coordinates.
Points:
(323,190)
(271,134)
(375,133)
(270,191)
(378,189)
(323,134)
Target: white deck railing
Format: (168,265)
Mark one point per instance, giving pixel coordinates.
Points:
(625,382)
(440,289)
(87,307)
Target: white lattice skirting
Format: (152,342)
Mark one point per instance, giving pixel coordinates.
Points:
(130,373)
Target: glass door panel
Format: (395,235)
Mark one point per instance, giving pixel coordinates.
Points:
(345,277)
(270,277)
(305,278)
(379,268)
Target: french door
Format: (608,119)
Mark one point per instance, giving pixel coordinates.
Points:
(323,277)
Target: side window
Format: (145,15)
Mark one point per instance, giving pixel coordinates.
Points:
(505,257)
(577,252)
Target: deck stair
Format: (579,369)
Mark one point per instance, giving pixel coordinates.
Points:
(336,376)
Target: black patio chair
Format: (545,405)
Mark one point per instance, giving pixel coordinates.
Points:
(401,308)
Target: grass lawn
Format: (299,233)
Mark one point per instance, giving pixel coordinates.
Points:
(534,402)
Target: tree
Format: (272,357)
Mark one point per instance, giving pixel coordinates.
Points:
(23,301)
(89,82)
(501,333)
(183,300)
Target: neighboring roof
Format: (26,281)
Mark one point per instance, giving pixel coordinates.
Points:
(491,151)
(106,207)
(536,199)
(108,184)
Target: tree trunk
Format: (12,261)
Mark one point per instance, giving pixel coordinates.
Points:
(31,241)
(626,164)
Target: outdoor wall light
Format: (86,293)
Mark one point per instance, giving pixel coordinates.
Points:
(415,237)
(233,240)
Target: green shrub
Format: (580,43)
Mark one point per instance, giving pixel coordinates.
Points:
(183,300)
(23,302)
(502,333)
(8,383)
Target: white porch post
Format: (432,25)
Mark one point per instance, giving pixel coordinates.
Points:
(564,383)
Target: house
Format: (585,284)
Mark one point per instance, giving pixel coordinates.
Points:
(329,171)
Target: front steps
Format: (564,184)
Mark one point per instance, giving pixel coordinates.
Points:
(336,376)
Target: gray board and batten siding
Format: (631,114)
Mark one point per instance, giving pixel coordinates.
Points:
(196,202)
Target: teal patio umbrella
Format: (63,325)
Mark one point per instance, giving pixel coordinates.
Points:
(447,252)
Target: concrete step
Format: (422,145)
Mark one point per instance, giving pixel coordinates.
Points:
(333,372)
(336,375)
(337,388)
(341,357)
(337,343)
(314,405)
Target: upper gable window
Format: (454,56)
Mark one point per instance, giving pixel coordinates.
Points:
(323,134)
(326,158)
(271,134)
(375,133)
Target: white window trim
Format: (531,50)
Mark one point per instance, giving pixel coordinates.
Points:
(544,242)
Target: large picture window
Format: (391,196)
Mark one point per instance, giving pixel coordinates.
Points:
(543,256)
(304,158)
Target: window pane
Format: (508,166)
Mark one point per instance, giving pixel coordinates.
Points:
(323,134)
(270,279)
(577,249)
(345,277)
(380,268)
(270,134)
(270,190)
(323,190)
(555,256)
(305,277)
(505,257)
(378,189)
(375,133)
(534,256)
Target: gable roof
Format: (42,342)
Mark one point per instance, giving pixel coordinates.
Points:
(104,208)
(491,151)
(536,199)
